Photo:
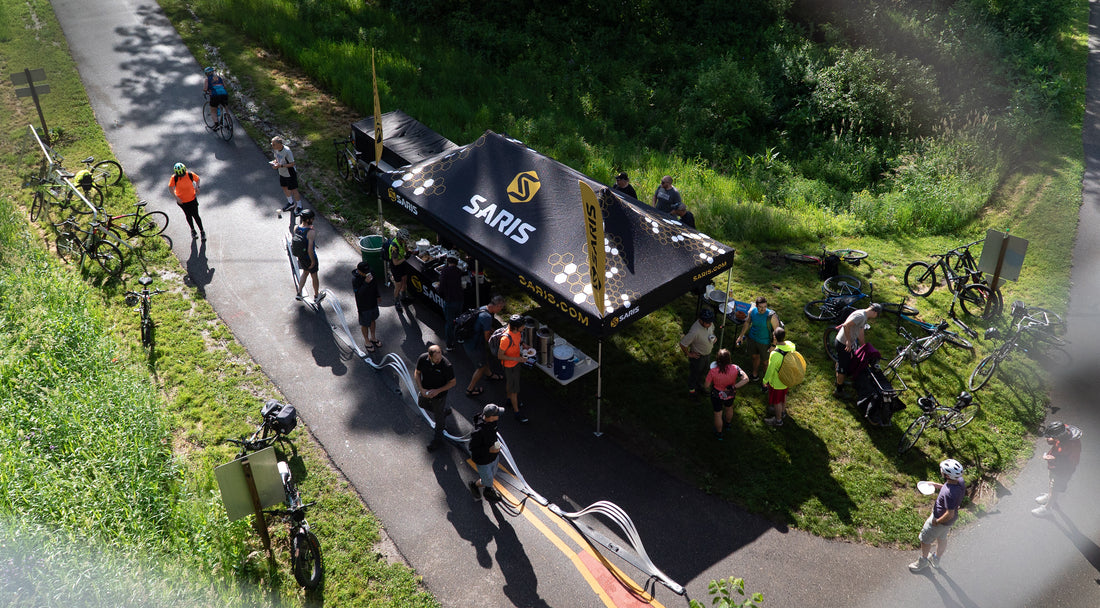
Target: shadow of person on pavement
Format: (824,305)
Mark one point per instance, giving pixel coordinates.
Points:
(313,327)
(521,583)
(1084,544)
(466,516)
(955,596)
(199,273)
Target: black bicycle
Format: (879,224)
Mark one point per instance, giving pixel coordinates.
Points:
(146,223)
(279,420)
(960,273)
(944,418)
(74,244)
(918,350)
(347,160)
(105,173)
(831,307)
(143,299)
(223,123)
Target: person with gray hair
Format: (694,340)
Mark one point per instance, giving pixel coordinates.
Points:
(288,176)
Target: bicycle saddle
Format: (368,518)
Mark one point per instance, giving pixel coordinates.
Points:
(965,398)
(145,281)
(88,161)
(942,326)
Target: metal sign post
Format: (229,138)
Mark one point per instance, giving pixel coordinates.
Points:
(29,77)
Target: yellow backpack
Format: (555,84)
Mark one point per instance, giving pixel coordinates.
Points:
(792,371)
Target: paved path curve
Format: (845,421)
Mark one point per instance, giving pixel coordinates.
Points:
(144,86)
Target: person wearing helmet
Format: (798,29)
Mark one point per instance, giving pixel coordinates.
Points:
(214,86)
(288,176)
(944,513)
(398,254)
(696,345)
(1062,458)
(307,263)
(184,185)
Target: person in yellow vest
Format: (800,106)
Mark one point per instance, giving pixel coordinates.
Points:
(777,391)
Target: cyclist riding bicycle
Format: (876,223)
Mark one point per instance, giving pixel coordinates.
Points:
(214,84)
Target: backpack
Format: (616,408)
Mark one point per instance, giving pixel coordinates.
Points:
(830,267)
(792,371)
(465,323)
(299,244)
(281,416)
(494,340)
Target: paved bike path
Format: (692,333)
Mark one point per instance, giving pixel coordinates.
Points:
(145,89)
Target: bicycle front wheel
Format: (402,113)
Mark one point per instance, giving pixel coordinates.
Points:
(920,278)
(973,299)
(802,258)
(820,310)
(830,343)
(850,255)
(93,194)
(107,173)
(960,418)
(226,130)
(147,332)
(209,120)
(305,558)
(68,247)
(343,163)
(912,434)
(841,285)
(37,205)
(981,374)
(151,224)
(109,257)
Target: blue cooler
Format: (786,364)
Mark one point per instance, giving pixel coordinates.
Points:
(563,362)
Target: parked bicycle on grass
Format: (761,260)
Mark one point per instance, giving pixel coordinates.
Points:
(143,298)
(1035,336)
(75,244)
(146,223)
(918,350)
(828,265)
(944,418)
(279,420)
(960,273)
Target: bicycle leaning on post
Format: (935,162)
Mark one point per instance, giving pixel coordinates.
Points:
(279,420)
(143,298)
(960,273)
(944,418)
(347,159)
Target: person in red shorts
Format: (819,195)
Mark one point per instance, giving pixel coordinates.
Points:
(777,391)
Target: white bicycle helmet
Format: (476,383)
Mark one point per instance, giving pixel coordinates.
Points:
(951,469)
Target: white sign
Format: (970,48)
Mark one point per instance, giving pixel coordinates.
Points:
(1014,255)
(234,486)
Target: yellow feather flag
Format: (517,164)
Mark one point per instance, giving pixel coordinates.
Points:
(377,113)
(597,258)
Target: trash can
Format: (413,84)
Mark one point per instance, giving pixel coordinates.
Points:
(371,248)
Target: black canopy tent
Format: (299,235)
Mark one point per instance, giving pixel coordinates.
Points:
(521,212)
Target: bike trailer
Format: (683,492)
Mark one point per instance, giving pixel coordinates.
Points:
(877,395)
(284,415)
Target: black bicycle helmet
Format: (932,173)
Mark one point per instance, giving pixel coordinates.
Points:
(307,214)
(1054,429)
(927,403)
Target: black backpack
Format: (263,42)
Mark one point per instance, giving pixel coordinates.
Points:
(299,244)
(464,324)
(830,267)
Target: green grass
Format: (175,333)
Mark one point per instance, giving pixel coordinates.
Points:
(826,472)
(107,451)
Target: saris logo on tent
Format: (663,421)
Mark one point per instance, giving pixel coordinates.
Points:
(524,187)
(506,222)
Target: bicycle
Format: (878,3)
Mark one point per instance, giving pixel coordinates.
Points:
(347,159)
(944,418)
(1046,348)
(223,125)
(75,244)
(960,273)
(53,188)
(146,223)
(839,284)
(105,173)
(920,349)
(280,419)
(832,306)
(143,298)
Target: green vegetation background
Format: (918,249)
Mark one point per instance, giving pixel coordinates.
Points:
(902,128)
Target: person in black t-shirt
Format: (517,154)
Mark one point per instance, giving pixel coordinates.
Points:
(622,184)
(434,376)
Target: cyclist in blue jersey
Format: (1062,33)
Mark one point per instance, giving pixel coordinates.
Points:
(214,84)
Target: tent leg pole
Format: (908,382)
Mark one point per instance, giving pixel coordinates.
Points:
(477,286)
(599,385)
(725,316)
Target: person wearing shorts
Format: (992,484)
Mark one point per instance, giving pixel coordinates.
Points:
(511,355)
(1062,459)
(214,85)
(723,380)
(777,391)
(288,176)
(758,327)
(367,301)
(848,339)
(477,347)
(484,450)
(398,255)
(307,263)
(944,513)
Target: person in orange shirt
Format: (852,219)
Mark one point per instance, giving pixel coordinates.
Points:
(184,185)
(511,351)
